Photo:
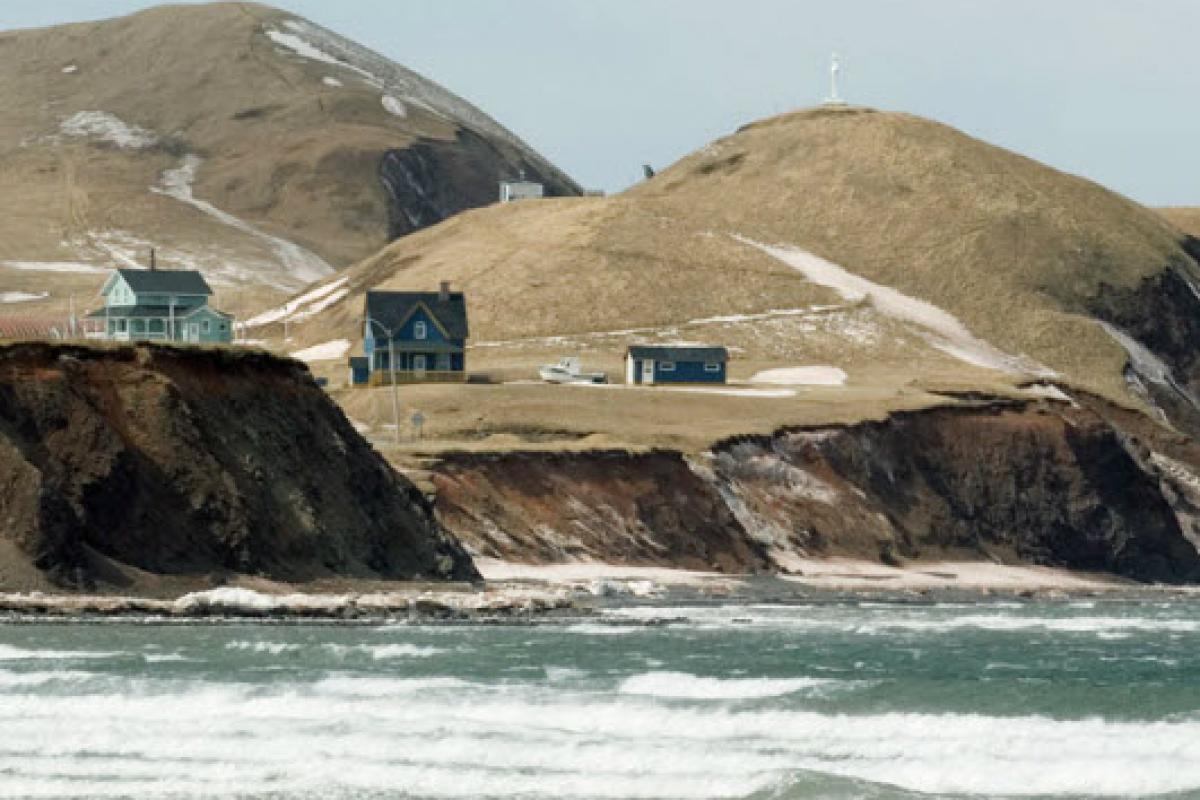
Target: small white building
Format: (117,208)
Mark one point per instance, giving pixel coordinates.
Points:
(520,190)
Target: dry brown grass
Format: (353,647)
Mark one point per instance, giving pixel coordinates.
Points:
(1014,249)
(1187,219)
(283,151)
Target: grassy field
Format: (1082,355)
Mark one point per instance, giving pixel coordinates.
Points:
(1014,250)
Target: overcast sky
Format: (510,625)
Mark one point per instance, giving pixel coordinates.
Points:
(1108,89)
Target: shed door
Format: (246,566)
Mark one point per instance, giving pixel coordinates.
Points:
(648,371)
(193,332)
(419,366)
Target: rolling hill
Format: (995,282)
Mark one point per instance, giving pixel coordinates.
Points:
(892,247)
(236,138)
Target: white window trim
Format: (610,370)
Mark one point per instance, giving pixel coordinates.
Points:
(666,366)
(420,330)
(712,366)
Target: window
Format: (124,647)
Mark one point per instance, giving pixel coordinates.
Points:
(712,366)
(224,327)
(204,326)
(419,331)
(443,362)
(666,366)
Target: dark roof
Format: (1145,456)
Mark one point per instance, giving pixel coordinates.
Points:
(117,312)
(679,352)
(390,309)
(179,281)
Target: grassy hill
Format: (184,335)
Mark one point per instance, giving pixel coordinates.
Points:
(890,246)
(234,137)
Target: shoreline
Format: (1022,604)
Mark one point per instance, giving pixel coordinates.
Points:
(546,594)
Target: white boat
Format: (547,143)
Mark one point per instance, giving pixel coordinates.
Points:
(569,370)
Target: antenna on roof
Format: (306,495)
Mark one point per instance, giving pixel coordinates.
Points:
(835,69)
(153,260)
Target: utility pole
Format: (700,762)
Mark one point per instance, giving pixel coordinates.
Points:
(392,371)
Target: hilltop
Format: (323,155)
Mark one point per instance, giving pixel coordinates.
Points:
(236,138)
(892,247)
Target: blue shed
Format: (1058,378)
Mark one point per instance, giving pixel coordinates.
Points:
(670,363)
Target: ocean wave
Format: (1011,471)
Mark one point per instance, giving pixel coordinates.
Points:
(11,653)
(382,652)
(1000,622)
(273,648)
(10,679)
(685,686)
(468,741)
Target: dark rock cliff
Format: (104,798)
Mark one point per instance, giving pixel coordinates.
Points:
(1056,487)
(1047,483)
(1162,314)
(186,461)
(433,179)
(611,506)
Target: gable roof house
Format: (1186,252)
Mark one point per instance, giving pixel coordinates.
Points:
(424,332)
(160,304)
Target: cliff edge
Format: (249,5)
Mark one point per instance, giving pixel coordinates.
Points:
(119,462)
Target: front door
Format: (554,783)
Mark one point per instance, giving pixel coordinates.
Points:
(193,332)
(419,367)
(648,371)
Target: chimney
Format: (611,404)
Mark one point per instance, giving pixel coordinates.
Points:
(444,291)
(153,260)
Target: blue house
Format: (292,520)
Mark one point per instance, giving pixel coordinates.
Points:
(160,304)
(426,333)
(653,364)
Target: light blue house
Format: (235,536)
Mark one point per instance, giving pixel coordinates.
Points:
(654,364)
(425,332)
(160,304)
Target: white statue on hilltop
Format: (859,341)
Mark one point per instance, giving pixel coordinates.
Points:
(835,69)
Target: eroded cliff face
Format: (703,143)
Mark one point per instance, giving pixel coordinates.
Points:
(185,461)
(432,179)
(1046,483)
(611,506)
(1057,486)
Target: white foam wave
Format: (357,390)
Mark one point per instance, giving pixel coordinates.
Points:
(11,653)
(10,679)
(273,648)
(998,622)
(381,652)
(442,737)
(682,685)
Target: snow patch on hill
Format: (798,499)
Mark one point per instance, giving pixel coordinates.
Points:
(301,265)
(802,376)
(108,128)
(22,297)
(315,43)
(304,306)
(940,328)
(55,266)
(394,106)
(326,351)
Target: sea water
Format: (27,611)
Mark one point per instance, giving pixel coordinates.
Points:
(828,700)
